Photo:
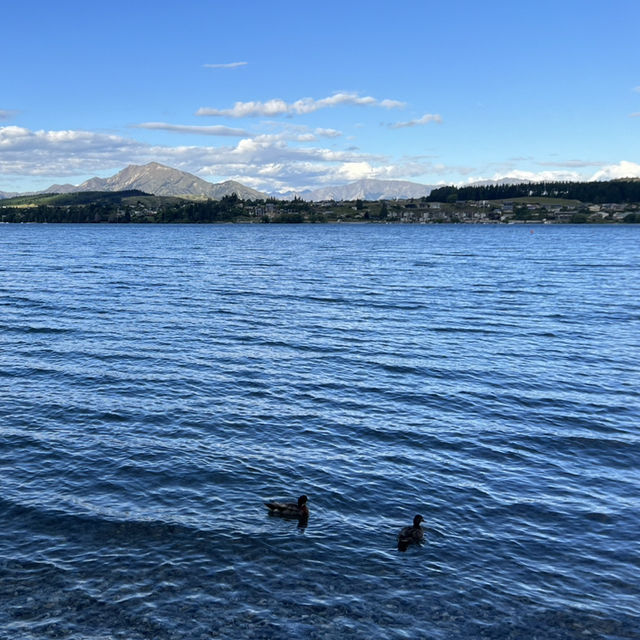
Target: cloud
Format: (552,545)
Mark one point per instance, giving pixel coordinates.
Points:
(312,136)
(518,175)
(226,65)
(635,115)
(277,106)
(392,104)
(425,119)
(7,114)
(327,133)
(280,161)
(538,176)
(214,130)
(636,89)
(301,132)
(623,169)
(62,153)
(574,164)
(264,161)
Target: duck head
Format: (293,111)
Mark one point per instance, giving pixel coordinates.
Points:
(417,520)
(302,500)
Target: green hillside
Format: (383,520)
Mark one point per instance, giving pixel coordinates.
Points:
(90,198)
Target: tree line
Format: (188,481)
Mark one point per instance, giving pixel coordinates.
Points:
(613,191)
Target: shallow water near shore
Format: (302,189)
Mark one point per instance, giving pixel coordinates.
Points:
(158,383)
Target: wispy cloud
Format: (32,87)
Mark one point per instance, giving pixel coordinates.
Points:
(327,133)
(300,132)
(213,130)
(425,119)
(572,164)
(636,89)
(519,175)
(7,114)
(635,115)
(226,65)
(264,161)
(275,162)
(278,106)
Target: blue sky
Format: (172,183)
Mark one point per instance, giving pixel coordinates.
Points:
(289,96)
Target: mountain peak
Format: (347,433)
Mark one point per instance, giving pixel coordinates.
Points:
(370,189)
(161,180)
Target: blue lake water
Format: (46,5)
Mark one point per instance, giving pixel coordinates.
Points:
(158,383)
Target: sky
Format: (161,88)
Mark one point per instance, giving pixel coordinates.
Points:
(288,96)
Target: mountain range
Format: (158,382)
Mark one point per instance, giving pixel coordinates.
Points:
(369,189)
(160,180)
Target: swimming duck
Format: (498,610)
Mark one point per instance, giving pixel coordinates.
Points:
(290,509)
(411,535)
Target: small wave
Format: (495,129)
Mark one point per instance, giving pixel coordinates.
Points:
(32,329)
(465,329)
(106,524)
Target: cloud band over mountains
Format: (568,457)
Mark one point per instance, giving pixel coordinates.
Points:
(266,162)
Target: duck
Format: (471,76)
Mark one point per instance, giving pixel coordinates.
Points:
(290,509)
(411,535)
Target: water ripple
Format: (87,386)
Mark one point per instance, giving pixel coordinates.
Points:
(160,382)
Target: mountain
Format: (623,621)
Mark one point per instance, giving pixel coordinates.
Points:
(161,180)
(495,183)
(61,188)
(369,190)
(4,194)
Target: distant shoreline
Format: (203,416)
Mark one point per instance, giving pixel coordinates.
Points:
(108,207)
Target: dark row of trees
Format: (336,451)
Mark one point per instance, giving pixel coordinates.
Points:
(614,191)
(226,209)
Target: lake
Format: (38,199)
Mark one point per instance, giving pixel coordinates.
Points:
(159,383)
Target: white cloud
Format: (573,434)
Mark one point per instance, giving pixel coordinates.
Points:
(574,164)
(226,65)
(265,161)
(356,171)
(213,130)
(277,106)
(281,161)
(312,136)
(392,104)
(301,132)
(538,176)
(425,119)
(62,153)
(246,109)
(623,169)
(327,133)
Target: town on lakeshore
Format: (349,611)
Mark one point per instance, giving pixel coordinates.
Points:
(139,207)
(154,193)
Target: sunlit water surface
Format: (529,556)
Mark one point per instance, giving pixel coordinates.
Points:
(158,383)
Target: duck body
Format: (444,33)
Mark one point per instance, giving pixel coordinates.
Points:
(411,535)
(290,509)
